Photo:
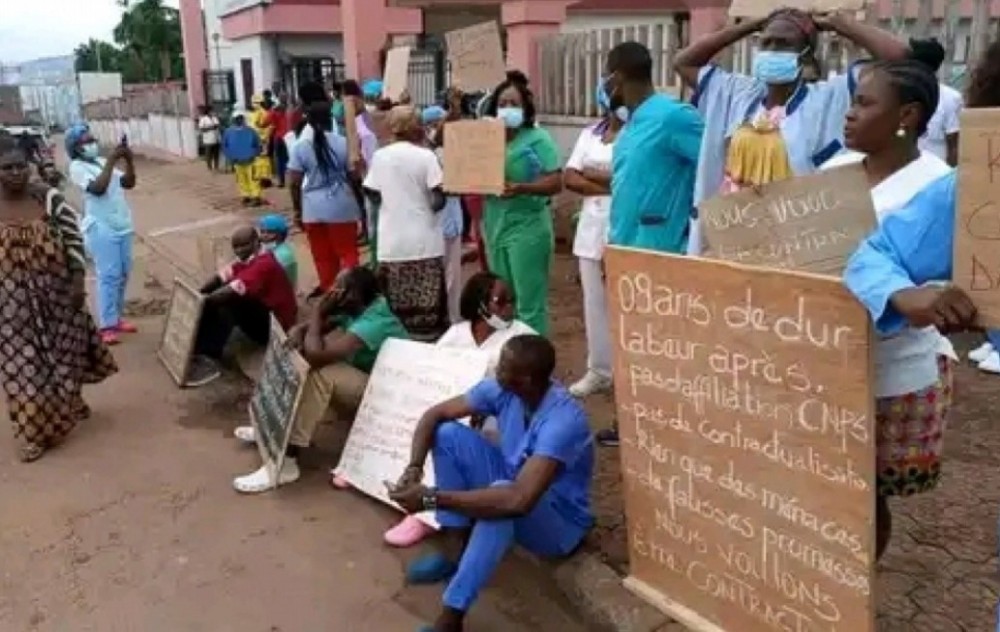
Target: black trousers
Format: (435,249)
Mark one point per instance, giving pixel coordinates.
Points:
(220,317)
(212,156)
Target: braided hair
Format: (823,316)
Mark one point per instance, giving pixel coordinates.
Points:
(321,120)
(913,82)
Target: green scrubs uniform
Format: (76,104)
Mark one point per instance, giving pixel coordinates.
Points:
(518,230)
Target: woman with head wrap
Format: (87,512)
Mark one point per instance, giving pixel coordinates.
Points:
(405,180)
(49,345)
(772,125)
(107,222)
(913,377)
(900,274)
(260,121)
(273,231)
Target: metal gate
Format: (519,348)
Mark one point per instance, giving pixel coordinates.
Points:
(325,70)
(428,71)
(220,90)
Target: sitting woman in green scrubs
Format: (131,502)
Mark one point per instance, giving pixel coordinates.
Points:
(518,225)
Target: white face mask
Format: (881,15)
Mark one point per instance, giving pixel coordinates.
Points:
(496,322)
(90,151)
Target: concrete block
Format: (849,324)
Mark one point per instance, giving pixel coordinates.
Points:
(597,591)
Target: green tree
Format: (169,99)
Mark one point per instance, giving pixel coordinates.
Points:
(97,56)
(149,35)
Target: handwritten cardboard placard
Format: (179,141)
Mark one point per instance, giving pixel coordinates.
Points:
(214,253)
(476,57)
(474,156)
(810,223)
(276,396)
(397,73)
(976,256)
(408,378)
(180,330)
(764,8)
(747,443)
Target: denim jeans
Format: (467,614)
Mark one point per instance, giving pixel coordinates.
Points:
(993,335)
(112,255)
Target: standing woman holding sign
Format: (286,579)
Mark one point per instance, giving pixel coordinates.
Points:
(892,106)
(518,224)
(588,172)
(772,125)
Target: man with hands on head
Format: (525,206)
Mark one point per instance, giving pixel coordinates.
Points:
(533,489)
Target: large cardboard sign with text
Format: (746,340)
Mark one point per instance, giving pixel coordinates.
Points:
(476,57)
(397,73)
(976,260)
(276,397)
(180,330)
(408,378)
(747,443)
(810,223)
(764,8)
(474,155)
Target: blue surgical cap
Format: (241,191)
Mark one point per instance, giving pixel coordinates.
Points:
(73,136)
(433,114)
(372,89)
(273,223)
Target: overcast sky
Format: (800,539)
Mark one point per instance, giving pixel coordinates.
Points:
(47,28)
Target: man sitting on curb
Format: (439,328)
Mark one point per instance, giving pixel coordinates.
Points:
(243,295)
(533,490)
(340,342)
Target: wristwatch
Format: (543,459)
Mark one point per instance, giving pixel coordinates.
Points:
(430,498)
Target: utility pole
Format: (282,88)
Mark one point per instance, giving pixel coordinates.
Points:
(97,50)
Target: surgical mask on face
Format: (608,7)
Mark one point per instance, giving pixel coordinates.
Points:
(776,67)
(603,100)
(498,323)
(90,151)
(512,117)
(622,113)
(370,107)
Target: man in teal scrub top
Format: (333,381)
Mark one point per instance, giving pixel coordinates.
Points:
(655,158)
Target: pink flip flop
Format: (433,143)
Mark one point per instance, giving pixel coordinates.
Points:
(338,482)
(408,532)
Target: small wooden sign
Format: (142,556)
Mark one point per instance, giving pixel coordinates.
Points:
(180,330)
(408,378)
(397,73)
(976,259)
(474,156)
(276,396)
(764,8)
(809,223)
(747,443)
(214,253)
(476,57)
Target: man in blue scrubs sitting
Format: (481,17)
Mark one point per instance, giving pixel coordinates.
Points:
(533,489)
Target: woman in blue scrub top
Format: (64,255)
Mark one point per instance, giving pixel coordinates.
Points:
(774,124)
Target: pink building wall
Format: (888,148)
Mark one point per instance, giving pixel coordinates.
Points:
(195,51)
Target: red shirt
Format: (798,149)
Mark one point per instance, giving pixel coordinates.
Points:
(293,118)
(262,277)
(279,123)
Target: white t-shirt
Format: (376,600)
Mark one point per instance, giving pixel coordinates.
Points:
(408,229)
(591,152)
(943,124)
(460,335)
(209,127)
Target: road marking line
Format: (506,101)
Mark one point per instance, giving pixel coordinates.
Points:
(201,223)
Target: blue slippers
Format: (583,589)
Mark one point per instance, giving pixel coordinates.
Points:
(432,568)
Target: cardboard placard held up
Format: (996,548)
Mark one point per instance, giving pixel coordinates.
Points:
(476,57)
(397,73)
(408,378)
(351,132)
(276,396)
(474,156)
(809,223)
(180,330)
(764,8)
(747,443)
(976,261)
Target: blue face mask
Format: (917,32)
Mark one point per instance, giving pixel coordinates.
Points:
(776,67)
(603,100)
(622,113)
(90,151)
(512,118)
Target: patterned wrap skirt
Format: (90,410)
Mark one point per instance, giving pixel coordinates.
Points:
(48,347)
(417,294)
(911,435)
